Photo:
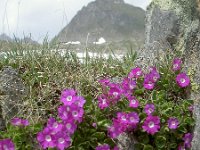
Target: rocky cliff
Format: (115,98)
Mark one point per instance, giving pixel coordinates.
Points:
(114,20)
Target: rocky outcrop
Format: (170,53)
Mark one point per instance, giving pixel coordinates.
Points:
(12,90)
(174,25)
(114,20)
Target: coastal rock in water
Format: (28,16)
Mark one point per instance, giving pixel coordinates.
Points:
(174,26)
(12,90)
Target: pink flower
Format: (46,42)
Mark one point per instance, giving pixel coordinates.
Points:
(154,75)
(54,125)
(151,124)
(122,117)
(103,147)
(68,96)
(148,83)
(62,141)
(69,126)
(128,84)
(103,102)
(133,118)
(191,108)
(46,139)
(116,129)
(80,101)
(77,113)
(64,112)
(115,92)
(19,122)
(187,140)
(182,80)
(135,73)
(7,144)
(173,123)
(104,82)
(176,64)
(149,109)
(133,102)
(94,124)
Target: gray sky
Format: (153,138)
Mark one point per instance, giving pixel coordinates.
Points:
(42,17)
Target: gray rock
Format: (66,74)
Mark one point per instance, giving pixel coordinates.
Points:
(12,90)
(126,142)
(174,25)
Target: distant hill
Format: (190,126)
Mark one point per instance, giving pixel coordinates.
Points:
(114,20)
(5,38)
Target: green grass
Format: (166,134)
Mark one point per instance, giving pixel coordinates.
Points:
(47,73)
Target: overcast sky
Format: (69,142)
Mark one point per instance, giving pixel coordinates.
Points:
(42,17)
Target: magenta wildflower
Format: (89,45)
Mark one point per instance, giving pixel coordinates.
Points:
(151,124)
(94,124)
(133,102)
(187,140)
(149,109)
(64,112)
(191,108)
(7,144)
(176,64)
(46,139)
(19,122)
(77,113)
(69,126)
(80,101)
(128,84)
(173,123)
(62,141)
(133,118)
(154,75)
(104,82)
(116,129)
(148,83)
(122,117)
(115,92)
(135,73)
(183,80)
(103,102)
(103,147)
(54,125)
(68,96)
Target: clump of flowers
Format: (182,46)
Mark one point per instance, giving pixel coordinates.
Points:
(147,104)
(57,134)
(153,109)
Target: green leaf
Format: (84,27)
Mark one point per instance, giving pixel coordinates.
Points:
(99,135)
(160,141)
(148,147)
(109,142)
(144,138)
(104,123)
(139,91)
(172,145)
(138,146)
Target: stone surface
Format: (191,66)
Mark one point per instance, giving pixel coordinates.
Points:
(175,25)
(126,142)
(12,90)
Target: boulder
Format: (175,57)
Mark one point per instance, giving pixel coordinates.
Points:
(174,26)
(12,91)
